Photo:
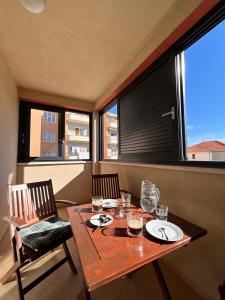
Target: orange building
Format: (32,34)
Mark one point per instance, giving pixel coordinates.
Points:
(44,140)
(110,136)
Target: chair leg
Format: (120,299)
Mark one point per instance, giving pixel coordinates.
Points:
(19,285)
(70,261)
(10,273)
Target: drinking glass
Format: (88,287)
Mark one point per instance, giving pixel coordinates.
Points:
(97,202)
(134,224)
(125,203)
(126,197)
(162,212)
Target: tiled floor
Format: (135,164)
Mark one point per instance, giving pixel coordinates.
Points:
(63,284)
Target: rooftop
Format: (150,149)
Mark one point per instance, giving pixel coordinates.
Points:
(207,146)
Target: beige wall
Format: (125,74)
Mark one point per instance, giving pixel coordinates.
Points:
(51,99)
(174,16)
(202,156)
(198,197)
(70,181)
(8,135)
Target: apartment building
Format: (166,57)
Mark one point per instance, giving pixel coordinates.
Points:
(45,140)
(110,135)
(77,134)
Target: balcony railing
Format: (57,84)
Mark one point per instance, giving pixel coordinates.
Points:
(81,119)
(112,124)
(77,138)
(112,140)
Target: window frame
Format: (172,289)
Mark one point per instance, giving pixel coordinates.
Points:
(208,22)
(24,131)
(51,117)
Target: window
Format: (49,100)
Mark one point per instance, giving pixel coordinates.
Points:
(77,136)
(173,113)
(49,117)
(204,77)
(49,154)
(49,137)
(52,133)
(109,145)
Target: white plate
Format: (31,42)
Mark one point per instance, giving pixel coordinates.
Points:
(109,203)
(173,232)
(96,221)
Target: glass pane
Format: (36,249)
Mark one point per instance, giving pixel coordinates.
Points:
(110,133)
(77,136)
(205,96)
(43,133)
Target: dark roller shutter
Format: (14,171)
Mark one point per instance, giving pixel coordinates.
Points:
(146,136)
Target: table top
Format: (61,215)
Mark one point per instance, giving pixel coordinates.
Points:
(108,253)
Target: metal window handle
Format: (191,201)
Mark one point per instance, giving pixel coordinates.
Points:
(172,113)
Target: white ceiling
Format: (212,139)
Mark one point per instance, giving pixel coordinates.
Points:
(76,48)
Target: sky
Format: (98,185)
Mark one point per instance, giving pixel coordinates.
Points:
(113,109)
(205,87)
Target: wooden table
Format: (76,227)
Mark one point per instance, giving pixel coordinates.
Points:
(107,253)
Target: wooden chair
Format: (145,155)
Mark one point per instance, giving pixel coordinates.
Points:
(107,186)
(35,229)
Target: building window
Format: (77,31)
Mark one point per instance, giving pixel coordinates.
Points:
(49,154)
(67,138)
(49,137)
(49,117)
(109,121)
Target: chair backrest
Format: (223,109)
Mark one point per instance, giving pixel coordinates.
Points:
(32,201)
(106,185)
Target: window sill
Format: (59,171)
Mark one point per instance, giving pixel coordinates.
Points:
(46,163)
(169,167)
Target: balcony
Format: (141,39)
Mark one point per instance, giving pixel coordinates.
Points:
(112,125)
(77,138)
(67,62)
(112,140)
(77,118)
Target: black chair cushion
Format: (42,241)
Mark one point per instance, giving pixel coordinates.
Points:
(46,233)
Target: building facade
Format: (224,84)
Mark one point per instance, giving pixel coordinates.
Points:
(44,135)
(110,135)
(207,151)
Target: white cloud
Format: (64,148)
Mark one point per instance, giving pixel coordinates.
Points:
(190,127)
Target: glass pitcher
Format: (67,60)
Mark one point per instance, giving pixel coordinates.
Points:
(149,196)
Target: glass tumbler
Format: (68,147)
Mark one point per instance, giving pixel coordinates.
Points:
(134,224)
(125,204)
(97,202)
(162,212)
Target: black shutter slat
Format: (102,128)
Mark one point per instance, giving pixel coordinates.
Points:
(161,132)
(144,134)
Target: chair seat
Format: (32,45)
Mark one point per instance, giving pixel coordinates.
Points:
(46,233)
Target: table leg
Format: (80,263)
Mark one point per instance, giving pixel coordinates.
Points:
(87,293)
(161,280)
